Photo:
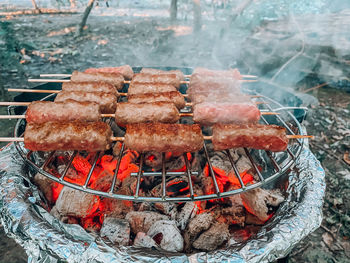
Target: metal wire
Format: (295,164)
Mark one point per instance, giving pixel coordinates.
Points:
(281,167)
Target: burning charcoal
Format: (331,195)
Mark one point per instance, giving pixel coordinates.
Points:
(256,201)
(154,160)
(187,212)
(142,240)
(251,219)
(91,224)
(103,182)
(142,221)
(76,203)
(175,187)
(116,230)
(167,235)
(198,224)
(167,208)
(115,208)
(213,238)
(49,188)
(234,215)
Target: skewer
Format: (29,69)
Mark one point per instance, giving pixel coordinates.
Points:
(21,139)
(69,75)
(112,115)
(125,81)
(120,93)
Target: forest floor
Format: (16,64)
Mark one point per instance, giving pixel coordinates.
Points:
(30,45)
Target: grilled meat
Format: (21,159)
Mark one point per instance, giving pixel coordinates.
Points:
(88,86)
(170,79)
(124,70)
(204,72)
(256,136)
(142,88)
(70,110)
(208,113)
(66,136)
(172,96)
(114,78)
(162,137)
(154,71)
(128,113)
(106,101)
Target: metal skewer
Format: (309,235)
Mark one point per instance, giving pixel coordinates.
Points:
(125,81)
(121,139)
(69,75)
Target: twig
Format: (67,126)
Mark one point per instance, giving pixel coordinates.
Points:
(316,87)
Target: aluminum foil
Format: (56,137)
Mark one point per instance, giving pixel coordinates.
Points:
(46,239)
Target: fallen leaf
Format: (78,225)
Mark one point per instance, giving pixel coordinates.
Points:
(346,157)
(102,42)
(328,239)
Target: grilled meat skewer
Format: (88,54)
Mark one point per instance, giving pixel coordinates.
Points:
(106,101)
(172,96)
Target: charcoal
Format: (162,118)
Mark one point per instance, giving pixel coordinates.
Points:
(115,208)
(198,224)
(257,200)
(103,182)
(167,235)
(45,184)
(76,203)
(142,221)
(173,187)
(91,224)
(187,213)
(234,215)
(116,230)
(213,238)
(251,219)
(167,208)
(154,160)
(142,240)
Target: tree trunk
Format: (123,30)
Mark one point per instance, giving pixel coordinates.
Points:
(173,10)
(82,24)
(197,15)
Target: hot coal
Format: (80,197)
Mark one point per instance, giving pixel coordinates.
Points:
(116,230)
(213,238)
(142,221)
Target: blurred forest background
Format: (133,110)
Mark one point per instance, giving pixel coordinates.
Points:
(298,45)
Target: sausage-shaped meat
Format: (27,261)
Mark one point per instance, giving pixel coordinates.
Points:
(154,71)
(66,136)
(208,113)
(114,78)
(106,101)
(70,110)
(170,79)
(172,96)
(125,70)
(142,88)
(129,113)
(87,86)
(256,136)
(219,97)
(161,137)
(211,84)
(204,72)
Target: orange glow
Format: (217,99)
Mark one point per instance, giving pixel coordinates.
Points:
(56,190)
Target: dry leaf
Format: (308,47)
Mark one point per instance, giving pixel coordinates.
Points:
(346,157)
(102,42)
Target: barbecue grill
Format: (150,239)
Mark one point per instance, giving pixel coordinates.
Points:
(275,165)
(46,239)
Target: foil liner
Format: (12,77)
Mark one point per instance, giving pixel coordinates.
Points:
(46,239)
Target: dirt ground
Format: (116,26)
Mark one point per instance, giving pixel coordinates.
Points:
(30,45)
